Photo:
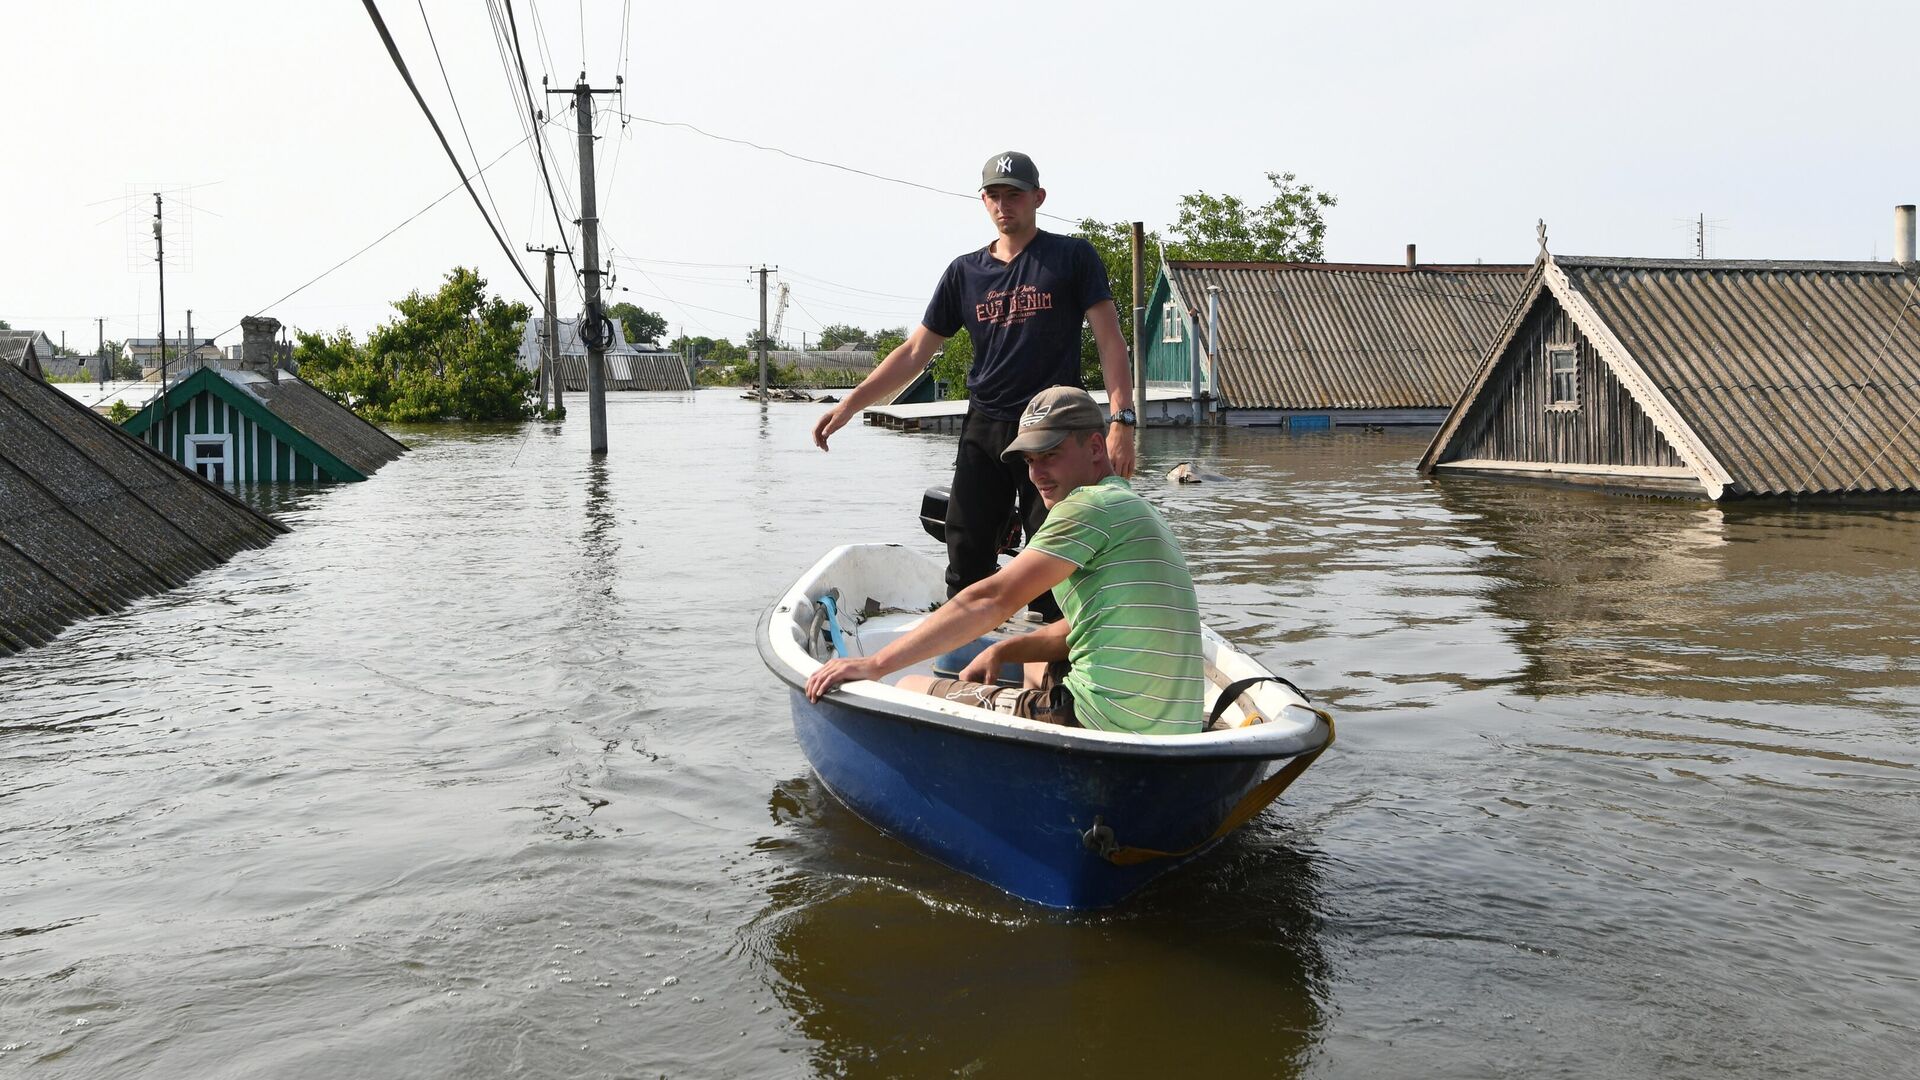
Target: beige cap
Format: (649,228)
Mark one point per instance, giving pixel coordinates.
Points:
(1052,415)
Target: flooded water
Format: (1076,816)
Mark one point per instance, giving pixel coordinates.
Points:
(477,772)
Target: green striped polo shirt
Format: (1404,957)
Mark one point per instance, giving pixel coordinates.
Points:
(1134,622)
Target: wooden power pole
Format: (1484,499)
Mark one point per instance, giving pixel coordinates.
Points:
(550,346)
(1139,347)
(763,271)
(594,326)
(160,260)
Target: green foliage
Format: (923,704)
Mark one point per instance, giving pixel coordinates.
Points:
(885,341)
(124,366)
(120,412)
(1286,228)
(837,334)
(5,325)
(708,350)
(952,362)
(643,327)
(449,355)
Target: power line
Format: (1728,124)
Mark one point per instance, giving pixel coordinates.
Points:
(457,115)
(540,142)
(401,65)
(826,164)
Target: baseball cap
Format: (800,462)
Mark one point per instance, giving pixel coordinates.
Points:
(1013,168)
(1052,415)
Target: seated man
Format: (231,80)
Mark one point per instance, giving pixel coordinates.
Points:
(1131,635)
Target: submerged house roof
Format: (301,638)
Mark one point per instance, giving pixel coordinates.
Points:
(1340,335)
(627,366)
(91,519)
(1752,378)
(342,445)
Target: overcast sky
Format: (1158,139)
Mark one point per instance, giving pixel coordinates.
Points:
(1456,126)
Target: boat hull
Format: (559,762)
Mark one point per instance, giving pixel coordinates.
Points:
(1014,814)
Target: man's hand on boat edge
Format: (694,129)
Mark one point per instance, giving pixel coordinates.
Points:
(841,669)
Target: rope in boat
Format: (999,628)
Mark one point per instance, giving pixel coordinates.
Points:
(1100,838)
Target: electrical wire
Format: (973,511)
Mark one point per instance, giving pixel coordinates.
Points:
(457,115)
(540,142)
(825,164)
(399,64)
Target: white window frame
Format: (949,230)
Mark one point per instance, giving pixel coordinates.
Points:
(225,460)
(1170,324)
(1555,401)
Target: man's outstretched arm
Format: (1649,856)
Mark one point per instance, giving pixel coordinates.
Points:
(907,360)
(977,609)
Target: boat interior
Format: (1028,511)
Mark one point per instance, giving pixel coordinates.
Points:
(866,629)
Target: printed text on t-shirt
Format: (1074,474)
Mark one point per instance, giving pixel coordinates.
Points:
(1006,307)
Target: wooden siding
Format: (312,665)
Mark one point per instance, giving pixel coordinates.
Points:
(256,456)
(1513,421)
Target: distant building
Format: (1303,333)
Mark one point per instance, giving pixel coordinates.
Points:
(1318,345)
(627,367)
(253,423)
(29,351)
(146,351)
(91,519)
(1704,378)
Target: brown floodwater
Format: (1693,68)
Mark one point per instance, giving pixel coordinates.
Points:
(477,772)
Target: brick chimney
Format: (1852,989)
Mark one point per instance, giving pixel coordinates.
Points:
(258,350)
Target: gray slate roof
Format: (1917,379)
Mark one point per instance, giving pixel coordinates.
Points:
(631,371)
(1799,377)
(327,422)
(91,519)
(1347,335)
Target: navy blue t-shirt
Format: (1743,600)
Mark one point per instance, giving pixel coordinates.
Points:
(1024,317)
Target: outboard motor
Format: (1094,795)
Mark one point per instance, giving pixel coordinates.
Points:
(933,518)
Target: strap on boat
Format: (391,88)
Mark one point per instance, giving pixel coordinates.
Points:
(1101,840)
(1234,689)
(828,600)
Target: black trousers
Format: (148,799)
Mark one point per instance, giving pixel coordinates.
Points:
(981,502)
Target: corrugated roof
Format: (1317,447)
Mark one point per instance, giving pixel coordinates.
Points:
(91,519)
(633,371)
(1345,335)
(336,428)
(1799,377)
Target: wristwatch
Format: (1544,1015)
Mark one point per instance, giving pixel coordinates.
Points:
(1126,416)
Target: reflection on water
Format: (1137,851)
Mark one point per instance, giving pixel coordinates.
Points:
(477,772)
(896,967)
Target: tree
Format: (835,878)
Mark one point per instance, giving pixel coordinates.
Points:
(951,364)
(643,327)
(5,325)
(449,355)
(1114,242)
(838,334)
(1286,228)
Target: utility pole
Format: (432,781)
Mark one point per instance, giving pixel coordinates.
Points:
(159,259)
(550,348)
(763,271)
(1139,347)
(193,347)
(1700,237)
(100,349)
(593,329)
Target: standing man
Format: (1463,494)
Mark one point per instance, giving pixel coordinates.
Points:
(1022,298)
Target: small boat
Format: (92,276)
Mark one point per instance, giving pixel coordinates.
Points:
(1065,817)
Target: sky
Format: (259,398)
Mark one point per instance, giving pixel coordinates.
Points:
(284,141)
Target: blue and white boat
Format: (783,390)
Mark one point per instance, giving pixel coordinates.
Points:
(1065,817)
